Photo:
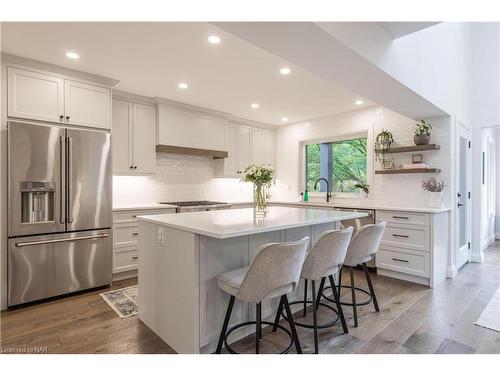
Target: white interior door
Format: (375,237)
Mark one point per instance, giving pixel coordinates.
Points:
(463,196)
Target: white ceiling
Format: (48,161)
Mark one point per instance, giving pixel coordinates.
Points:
(150,59)
(399,29)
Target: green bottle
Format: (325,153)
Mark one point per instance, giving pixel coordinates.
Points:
(306,196)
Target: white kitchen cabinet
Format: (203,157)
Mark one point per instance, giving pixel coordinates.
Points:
(263,146)
(238,146)
(134,138)
(36,95)
(87,105)
(243,148)
(194,130)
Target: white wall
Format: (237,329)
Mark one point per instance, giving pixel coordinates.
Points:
(179,177)
(401,190)
(487,212)
(497,218)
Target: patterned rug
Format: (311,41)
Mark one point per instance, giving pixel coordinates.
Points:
(490,317)
(123,301)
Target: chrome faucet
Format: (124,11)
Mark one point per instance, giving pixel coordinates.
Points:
(328,192)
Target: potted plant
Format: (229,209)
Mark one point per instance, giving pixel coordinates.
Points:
(422,133)
(364,188)
(383,143)
(435,188)
(261,176)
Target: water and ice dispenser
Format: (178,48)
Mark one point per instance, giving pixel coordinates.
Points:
(37,201)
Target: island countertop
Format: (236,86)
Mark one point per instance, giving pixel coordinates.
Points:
(239,222)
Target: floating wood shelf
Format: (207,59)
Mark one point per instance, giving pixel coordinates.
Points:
(397,150)
(403,171)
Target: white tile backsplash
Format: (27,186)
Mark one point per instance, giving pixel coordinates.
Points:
(179,177)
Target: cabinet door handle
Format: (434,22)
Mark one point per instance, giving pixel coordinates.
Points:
(400,260)
(135,258)
(61,117)
(401,235)
(401,217)
(135,234)
(67,118)
(134,216)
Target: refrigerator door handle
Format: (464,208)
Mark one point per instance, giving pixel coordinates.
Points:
(58,240)
(62,198)
(69,160)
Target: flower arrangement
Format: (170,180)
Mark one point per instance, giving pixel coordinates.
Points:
(261,176)
(432,185)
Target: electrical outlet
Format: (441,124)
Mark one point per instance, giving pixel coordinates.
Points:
(161,235)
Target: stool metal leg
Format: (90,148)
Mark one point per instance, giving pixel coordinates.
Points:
(278,315)
(337,302)
(353,294)
(370,285)
(258,328)
(292,324)
(225,324)
(320,291)
(340,280)
(315,321)
(305,298)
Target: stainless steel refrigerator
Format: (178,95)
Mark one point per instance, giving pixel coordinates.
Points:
(60,203)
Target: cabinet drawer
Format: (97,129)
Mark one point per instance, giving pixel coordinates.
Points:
(399,217)
(413,263)
(125,235)
(125,261)
(131,216)
(416,238)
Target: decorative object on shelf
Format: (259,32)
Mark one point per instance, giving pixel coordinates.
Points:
(422,133)
(417,158)
(261,176)
(387,163)
(306,196)
(383,143)
(365,188)
(435,188)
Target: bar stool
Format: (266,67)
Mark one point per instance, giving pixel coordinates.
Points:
(324,260)
(362,248)
(273,272)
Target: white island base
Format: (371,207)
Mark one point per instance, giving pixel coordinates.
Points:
(178,295)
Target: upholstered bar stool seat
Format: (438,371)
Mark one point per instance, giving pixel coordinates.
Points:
(323,261)
(273,272)
(362,248)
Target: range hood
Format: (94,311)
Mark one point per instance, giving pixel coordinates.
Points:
(216,154)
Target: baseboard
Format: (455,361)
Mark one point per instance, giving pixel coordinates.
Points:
(477,257)
(452,272)
(487,241)
(497,236)
(124,275)
(404,276)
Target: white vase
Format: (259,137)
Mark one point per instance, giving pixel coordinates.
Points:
(436,199)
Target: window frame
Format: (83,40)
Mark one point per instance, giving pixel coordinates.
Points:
(344,137)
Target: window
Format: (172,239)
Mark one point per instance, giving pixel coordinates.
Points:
(343,163)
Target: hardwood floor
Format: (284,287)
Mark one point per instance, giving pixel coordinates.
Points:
(412,319)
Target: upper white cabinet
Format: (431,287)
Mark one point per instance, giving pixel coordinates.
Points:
(134,138)
(46,97)
(186,129)
(263,146)
(35,96)
(246,145)
(87,105)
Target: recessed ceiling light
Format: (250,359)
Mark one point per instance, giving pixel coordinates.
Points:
(255,105)
(284,119)
(359,102)
(183,86)
(72,55)
(285,71)
(213,39)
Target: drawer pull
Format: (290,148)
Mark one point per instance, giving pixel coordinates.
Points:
(401,235)
(134,216)
(135,234)
(400,260)
(135,258)
(401,217)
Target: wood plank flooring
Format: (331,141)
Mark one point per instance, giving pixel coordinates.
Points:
(412,319)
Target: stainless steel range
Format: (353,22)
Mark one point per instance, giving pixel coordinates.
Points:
(59,211)
(193,206)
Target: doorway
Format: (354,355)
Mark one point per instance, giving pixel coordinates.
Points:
(464,184)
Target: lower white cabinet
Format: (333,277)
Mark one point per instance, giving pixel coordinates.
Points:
(126,237)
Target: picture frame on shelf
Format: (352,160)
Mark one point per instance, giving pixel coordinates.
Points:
(416,158)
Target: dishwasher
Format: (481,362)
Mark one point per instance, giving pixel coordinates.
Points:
(358,223)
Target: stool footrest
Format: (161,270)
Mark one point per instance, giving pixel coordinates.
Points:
(324,325)
(364,303)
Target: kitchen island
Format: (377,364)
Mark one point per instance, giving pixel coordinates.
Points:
(181,255)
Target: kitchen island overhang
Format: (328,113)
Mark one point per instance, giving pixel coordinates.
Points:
(180,255)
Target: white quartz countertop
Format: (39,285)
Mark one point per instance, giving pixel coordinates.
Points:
(240,222)
(141,206)
(363,205)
